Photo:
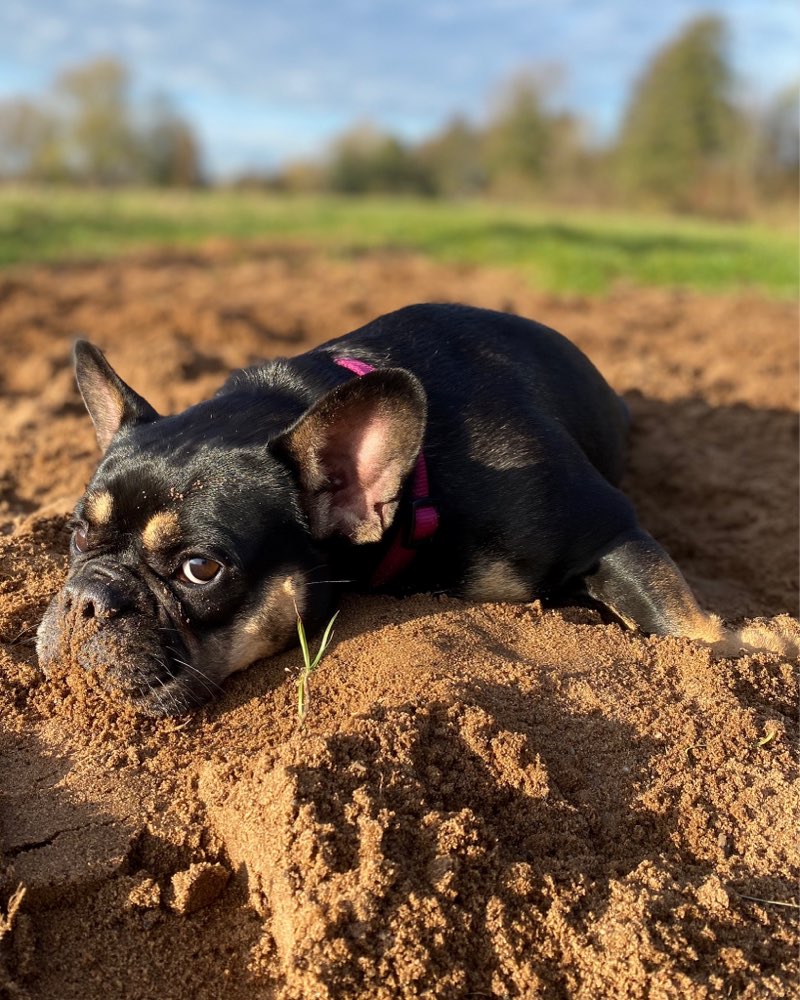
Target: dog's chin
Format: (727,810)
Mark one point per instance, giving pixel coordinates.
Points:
(157,699)
(166,700)
(148,667)
(156,691)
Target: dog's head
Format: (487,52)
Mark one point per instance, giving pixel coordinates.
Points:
(202,536)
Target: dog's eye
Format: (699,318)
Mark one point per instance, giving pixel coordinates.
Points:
(80,538)
(199,570)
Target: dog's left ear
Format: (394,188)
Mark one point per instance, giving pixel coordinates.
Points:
(111,403)
(353,449)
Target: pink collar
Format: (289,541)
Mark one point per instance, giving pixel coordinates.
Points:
(424,518)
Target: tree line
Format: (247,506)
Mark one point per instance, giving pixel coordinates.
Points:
(89,131)
(689,140)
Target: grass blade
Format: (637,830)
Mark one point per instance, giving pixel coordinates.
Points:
(327,635)
(309,665)
(301,634)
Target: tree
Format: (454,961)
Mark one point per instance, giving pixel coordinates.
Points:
(680,131)
(30,142)
(518,134)
(778,145)
(169,149)
(529,146)
(365,160)
(454,159)
(101,141)
(88,130)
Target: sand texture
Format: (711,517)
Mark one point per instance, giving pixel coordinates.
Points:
(484,801)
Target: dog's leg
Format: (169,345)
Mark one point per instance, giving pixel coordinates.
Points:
(637,580)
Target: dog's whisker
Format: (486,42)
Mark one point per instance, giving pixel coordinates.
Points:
(313,569)
(156,685)
(169,702)
(156,694)
(207,682)
(23,631)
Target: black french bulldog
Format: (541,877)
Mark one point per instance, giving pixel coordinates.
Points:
(202,536)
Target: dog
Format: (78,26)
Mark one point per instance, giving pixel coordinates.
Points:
(439,448)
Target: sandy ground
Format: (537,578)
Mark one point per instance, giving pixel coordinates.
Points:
(494,801)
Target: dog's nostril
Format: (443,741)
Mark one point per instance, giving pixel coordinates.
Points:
(94,608)
(99,607)
(97,593)
(96,602)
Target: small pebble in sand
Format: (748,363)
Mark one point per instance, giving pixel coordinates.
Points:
(198,886)
(145,895)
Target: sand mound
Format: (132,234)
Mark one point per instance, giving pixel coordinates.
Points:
(484,800)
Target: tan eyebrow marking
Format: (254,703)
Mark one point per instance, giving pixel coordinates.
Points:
(99,507)
(162,530)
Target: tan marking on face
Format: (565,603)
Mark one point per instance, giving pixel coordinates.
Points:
(162,530)
(497,580)
(271,627)
(99,507)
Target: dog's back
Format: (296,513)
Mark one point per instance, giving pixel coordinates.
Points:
(524,438)
(501,374)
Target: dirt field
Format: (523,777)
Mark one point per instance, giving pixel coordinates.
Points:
(485,800)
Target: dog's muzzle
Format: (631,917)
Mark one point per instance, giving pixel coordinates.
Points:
(102,591)
(108,621)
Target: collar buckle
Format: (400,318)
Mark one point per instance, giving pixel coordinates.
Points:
(420,521)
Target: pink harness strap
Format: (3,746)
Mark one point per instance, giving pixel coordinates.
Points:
(424,515)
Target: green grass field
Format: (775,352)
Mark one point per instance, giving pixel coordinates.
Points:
(557,250)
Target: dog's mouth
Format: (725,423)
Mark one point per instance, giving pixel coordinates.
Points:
(150,663)
(129,635)
(158,683)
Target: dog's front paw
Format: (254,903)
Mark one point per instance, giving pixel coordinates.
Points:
(776,635)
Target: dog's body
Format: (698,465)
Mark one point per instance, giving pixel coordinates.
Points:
(203,535)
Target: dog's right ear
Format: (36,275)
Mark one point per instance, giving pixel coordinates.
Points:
(352,451)
(111,403)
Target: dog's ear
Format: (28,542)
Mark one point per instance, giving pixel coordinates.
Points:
(111,403)
(353,449)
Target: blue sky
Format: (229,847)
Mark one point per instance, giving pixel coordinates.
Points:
(268,81)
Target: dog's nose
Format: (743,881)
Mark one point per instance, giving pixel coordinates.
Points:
(97,595)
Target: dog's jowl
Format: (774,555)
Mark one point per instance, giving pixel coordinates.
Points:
(440,447)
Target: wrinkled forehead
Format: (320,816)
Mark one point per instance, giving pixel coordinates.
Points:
(150,498)
(168,498)
(202,476)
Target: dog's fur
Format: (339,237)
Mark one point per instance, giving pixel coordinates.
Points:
(295,476)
